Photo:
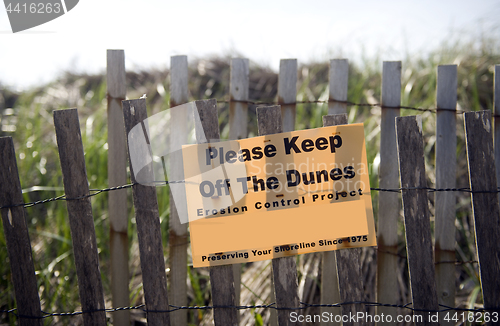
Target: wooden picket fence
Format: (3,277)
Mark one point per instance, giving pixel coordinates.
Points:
(432,279)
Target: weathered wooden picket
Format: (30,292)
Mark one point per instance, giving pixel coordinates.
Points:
(432,279)
(117,176)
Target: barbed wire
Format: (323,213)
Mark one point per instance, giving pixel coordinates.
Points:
(454,262)
(141,307)
(396,190)
(95,192)
(467,190)
(348,103)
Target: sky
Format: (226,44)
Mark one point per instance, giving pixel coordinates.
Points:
(150,31)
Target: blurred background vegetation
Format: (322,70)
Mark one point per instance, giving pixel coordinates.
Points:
(27,117)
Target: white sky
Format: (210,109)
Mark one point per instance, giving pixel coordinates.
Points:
(150,31)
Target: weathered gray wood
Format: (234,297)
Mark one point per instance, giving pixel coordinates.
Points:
(287,92)
(284,268)
(388,212)
(329,286)
(178,233)
(222,286)
(416,216)
(269,120)
(334,120)
(221,277)
(238,126)
(330,293)
(479,138)
(208,124)
(117,176)
(147,217)
(81,221)
(269,125)
(349,272)
(115,74)
(178,80)
(496,111)
(17,237)
(339,76)
(285,287)
(238,91)
(273,314)
(445,201)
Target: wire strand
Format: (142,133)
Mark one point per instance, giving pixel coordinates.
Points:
(99,191)
(443,308)
(349,103)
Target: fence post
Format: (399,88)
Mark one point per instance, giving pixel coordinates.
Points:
(287,92)
(330,285)
(147,218)
(496,111)
(238,91)
(117,176)
(445,201)
(339,76)
(349,272)
(388,211)
(339,69)
(221,277)
(284,268)
(178,234)
(485,205)
(416,216)
(17,237)
(81,221)
(238,127)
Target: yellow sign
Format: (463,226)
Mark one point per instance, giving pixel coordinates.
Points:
(278,195)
